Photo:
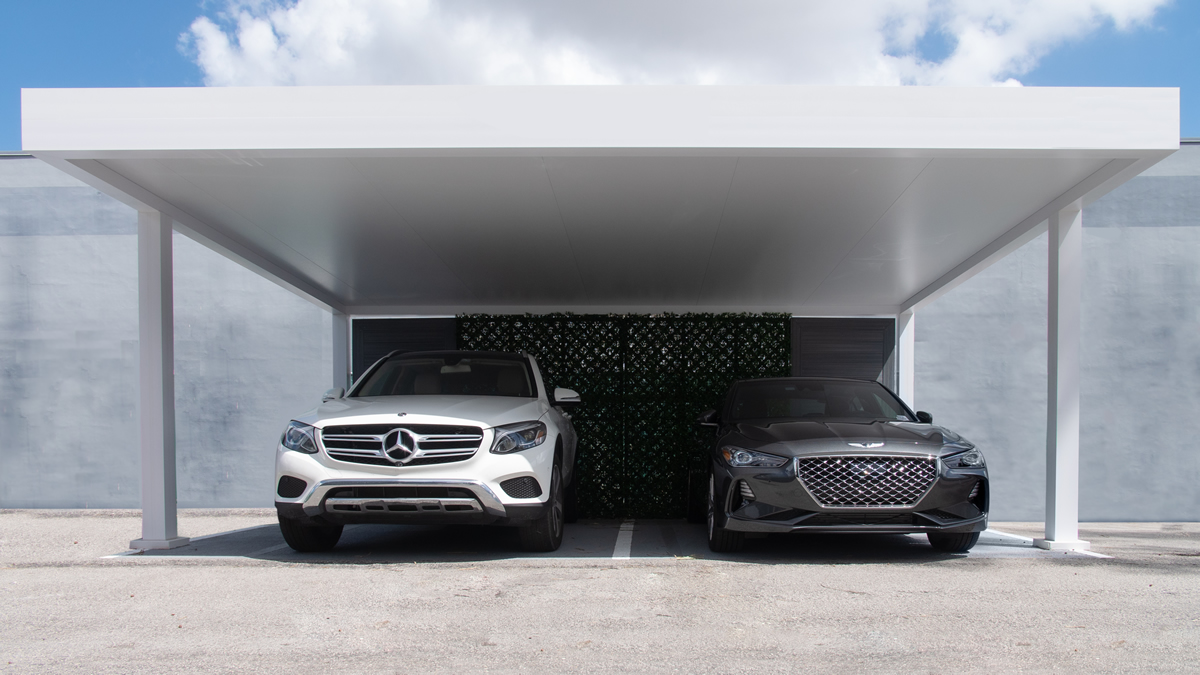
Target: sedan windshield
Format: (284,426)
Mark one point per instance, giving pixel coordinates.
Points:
(815,399)
(448,376)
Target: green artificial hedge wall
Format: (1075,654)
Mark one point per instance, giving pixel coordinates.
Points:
(644,379)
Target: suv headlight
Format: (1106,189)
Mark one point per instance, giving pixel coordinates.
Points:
(971,459)
(736,456)
(517,437)
(300,437)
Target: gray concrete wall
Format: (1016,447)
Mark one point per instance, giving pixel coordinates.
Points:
(249,355)
(981,357)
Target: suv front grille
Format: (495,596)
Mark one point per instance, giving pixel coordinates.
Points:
(417,445)
(866,481)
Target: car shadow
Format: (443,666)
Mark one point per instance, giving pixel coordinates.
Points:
(586,540)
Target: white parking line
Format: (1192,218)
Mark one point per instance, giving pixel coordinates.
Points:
(1092,554)
(624,541)
(1026,541)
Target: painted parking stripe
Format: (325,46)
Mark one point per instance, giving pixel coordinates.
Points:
(1026,541)
(624,541)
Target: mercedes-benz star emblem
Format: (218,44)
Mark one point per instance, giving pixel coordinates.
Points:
(400,446)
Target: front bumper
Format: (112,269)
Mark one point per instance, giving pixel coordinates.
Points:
(400,501)
(956,502)
(471,490)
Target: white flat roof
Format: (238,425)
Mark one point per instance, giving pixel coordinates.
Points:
(419,200)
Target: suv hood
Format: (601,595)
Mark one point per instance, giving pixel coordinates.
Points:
(484,411)
(802,437)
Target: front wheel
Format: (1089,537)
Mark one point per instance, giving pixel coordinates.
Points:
(953,543)
(307,538)
(720,540)
(546,533)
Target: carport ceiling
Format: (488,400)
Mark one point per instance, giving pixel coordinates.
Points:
(393,200)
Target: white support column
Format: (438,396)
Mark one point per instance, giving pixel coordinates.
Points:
(1062,401)
(156,384)
(341,351)
(906,352)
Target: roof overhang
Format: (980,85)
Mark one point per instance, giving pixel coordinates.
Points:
(438,200)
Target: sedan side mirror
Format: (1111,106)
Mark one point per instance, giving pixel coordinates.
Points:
(566,398)
(709,418)
(336,392)
(924,417)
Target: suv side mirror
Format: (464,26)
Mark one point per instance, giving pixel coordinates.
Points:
(709,418)
(924,417)
(336,392)
(566,398)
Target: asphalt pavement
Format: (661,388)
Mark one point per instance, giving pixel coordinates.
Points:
(619,596)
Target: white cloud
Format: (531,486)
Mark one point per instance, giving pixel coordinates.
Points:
(950,42)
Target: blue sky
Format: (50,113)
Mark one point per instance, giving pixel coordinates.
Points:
(136,43)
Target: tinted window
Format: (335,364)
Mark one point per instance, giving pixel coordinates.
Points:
(448,377)
(798,399)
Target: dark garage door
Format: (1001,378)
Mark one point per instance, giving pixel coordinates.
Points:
(860,348)
(372,339)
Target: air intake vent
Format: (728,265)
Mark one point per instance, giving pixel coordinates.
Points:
(977,497)
(745,491)
(525,487)
(291,487)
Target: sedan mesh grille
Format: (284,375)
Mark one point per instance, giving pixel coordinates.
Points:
(864,481)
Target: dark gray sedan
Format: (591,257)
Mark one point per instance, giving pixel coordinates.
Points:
(835,455)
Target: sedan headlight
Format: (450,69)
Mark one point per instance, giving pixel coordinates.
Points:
(971,459)
(517,437)
(300,437)
(736,456)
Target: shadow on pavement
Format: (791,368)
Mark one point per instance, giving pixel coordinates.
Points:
(593,539)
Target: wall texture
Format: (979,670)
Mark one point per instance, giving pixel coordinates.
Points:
(981,357)
(249,355)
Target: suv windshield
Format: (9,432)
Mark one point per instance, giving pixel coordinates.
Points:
(815,399)
(449,375)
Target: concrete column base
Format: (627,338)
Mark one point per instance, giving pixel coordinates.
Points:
(159,544)
(1062,544)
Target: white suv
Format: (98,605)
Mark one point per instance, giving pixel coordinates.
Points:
(432,437)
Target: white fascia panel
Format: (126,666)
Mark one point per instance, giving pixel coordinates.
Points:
(87,121)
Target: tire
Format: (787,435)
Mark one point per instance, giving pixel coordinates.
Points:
(953,543)
(571,500)
(307,538)
(546,533)
(720,540)
(697,506)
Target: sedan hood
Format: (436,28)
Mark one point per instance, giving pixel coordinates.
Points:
(801,437)
(485,411)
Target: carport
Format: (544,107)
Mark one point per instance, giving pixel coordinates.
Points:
(420,201)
